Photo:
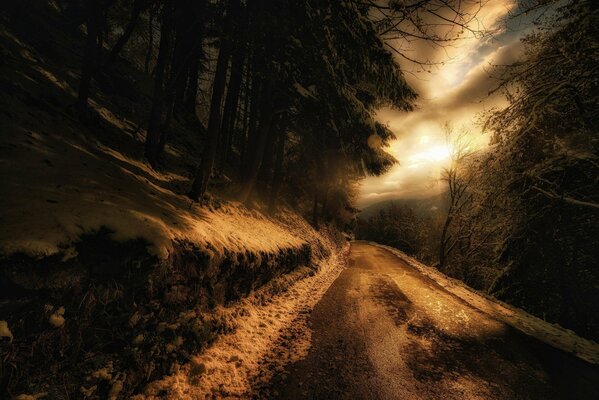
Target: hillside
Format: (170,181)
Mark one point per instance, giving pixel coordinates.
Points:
(109,272)
(178,191)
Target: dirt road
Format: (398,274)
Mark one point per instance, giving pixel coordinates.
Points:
(384,331)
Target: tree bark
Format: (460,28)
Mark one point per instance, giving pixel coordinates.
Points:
(150,41)
(232,101)
(243,133)
(153,135)
(90,54)
(256,157)
(185,30)
(254,115)
(277,180)
(266,168)
(191,92)
(188,43)
(137,8)
(202,176)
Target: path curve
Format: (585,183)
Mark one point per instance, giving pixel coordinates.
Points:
(385,331)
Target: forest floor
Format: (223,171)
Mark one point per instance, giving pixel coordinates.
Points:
(384,330)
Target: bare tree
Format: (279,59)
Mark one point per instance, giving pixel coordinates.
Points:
(458,182)
(438,23)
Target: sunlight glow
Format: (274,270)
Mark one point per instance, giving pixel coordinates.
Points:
(437,153)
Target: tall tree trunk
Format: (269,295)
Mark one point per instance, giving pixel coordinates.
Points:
(102,22)
(91,52)
(242,140)
(265,173)
(166,126)
(254,102)
(234,87)
(185,30)
(137,8)
(256,157)
(444,238)
(153,135)
(191,93)
(231,101)
(277,179)
(202,177)
(188,43)
(150,41)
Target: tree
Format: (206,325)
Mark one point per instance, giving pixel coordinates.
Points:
(433,23)
(152,146)
(267,116)
(204,171)
(544,169)
(398,226)
(234,86)
(278,170)
(136,9)
(93,14)
(458,182)
(339,73)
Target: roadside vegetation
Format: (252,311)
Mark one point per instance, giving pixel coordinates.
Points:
(520,219)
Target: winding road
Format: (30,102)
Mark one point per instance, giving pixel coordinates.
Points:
(385,331)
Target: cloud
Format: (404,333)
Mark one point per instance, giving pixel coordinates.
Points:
(421,144)
(455,58)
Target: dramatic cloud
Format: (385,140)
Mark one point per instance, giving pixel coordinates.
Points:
(456,93)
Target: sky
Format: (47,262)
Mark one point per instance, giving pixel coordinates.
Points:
(456,93)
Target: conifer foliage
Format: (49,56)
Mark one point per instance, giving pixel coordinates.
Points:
(292,89)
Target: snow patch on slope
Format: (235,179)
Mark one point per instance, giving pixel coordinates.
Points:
(54,189)
(272,332)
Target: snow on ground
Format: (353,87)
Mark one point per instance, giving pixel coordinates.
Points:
(56,188)
(62,178)
(552,334)
(272,331)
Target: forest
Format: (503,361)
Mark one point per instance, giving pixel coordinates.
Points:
(181,190)
(520,218)
(288,96)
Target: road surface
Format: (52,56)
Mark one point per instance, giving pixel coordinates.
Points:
(384,331)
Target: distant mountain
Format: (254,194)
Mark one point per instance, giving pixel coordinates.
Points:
(424,206)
